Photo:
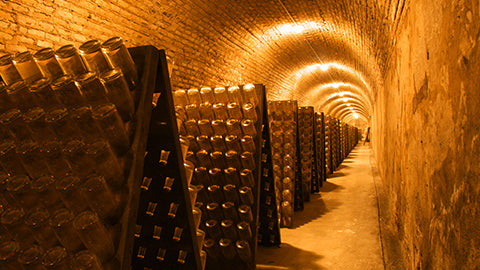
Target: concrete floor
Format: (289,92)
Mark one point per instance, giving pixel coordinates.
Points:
(339,228)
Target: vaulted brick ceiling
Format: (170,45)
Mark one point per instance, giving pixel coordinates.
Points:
(324,53)
(328,54)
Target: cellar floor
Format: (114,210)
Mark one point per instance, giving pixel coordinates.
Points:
(339,228)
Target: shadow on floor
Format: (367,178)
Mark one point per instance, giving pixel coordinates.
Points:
(329,187)
(314,209)
(287,257)
(335,174)
(342,166)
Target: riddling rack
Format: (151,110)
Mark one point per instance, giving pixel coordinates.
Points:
(166,232)
(349,139)
(340,138)
(334,143)
(328,123)
(343,140)
(71,154)
(223,127)
(284,139)
(306,120)
(269,231)
(337,149)
(320,158)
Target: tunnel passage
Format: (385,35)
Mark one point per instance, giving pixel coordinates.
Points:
(223,42)
(372,54)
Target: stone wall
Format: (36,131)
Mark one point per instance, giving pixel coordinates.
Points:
(427,139)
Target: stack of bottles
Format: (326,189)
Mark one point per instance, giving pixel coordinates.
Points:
(221,127)
(269,229)
(162,229)
(343,140)
(328,144)
(283,129)
(349,138)
(196,206)
(320,150)
(306,139)
(336,154)
(65,119)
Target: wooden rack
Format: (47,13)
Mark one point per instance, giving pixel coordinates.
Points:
(165,232)
(269,231)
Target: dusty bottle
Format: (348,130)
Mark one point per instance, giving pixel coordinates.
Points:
(45,95)
(48,64)
(221,95)
(118,93)
(243,250)
(35,121)
(8,71)
(93,56)
(93,89)
(67,92)
(26,67)
(235,94)
(112,127)
(21,96)
(207,95)
(194,96)
(37,220)
(100,198)
(180,98)
(70,61)
(9,252)
(250,94)
(227,249)
(94,235)
(119,57)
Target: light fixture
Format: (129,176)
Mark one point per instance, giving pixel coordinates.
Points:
(287,29)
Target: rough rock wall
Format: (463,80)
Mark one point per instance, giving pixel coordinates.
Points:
(427,135)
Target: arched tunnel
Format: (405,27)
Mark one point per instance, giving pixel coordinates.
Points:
(406,70)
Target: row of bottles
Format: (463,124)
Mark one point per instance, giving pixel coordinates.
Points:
(269,229)
(339,139)
(306,143)
(66,134)
(328,144)
(283,132)
(222,129)
(166,232)
(320,151)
